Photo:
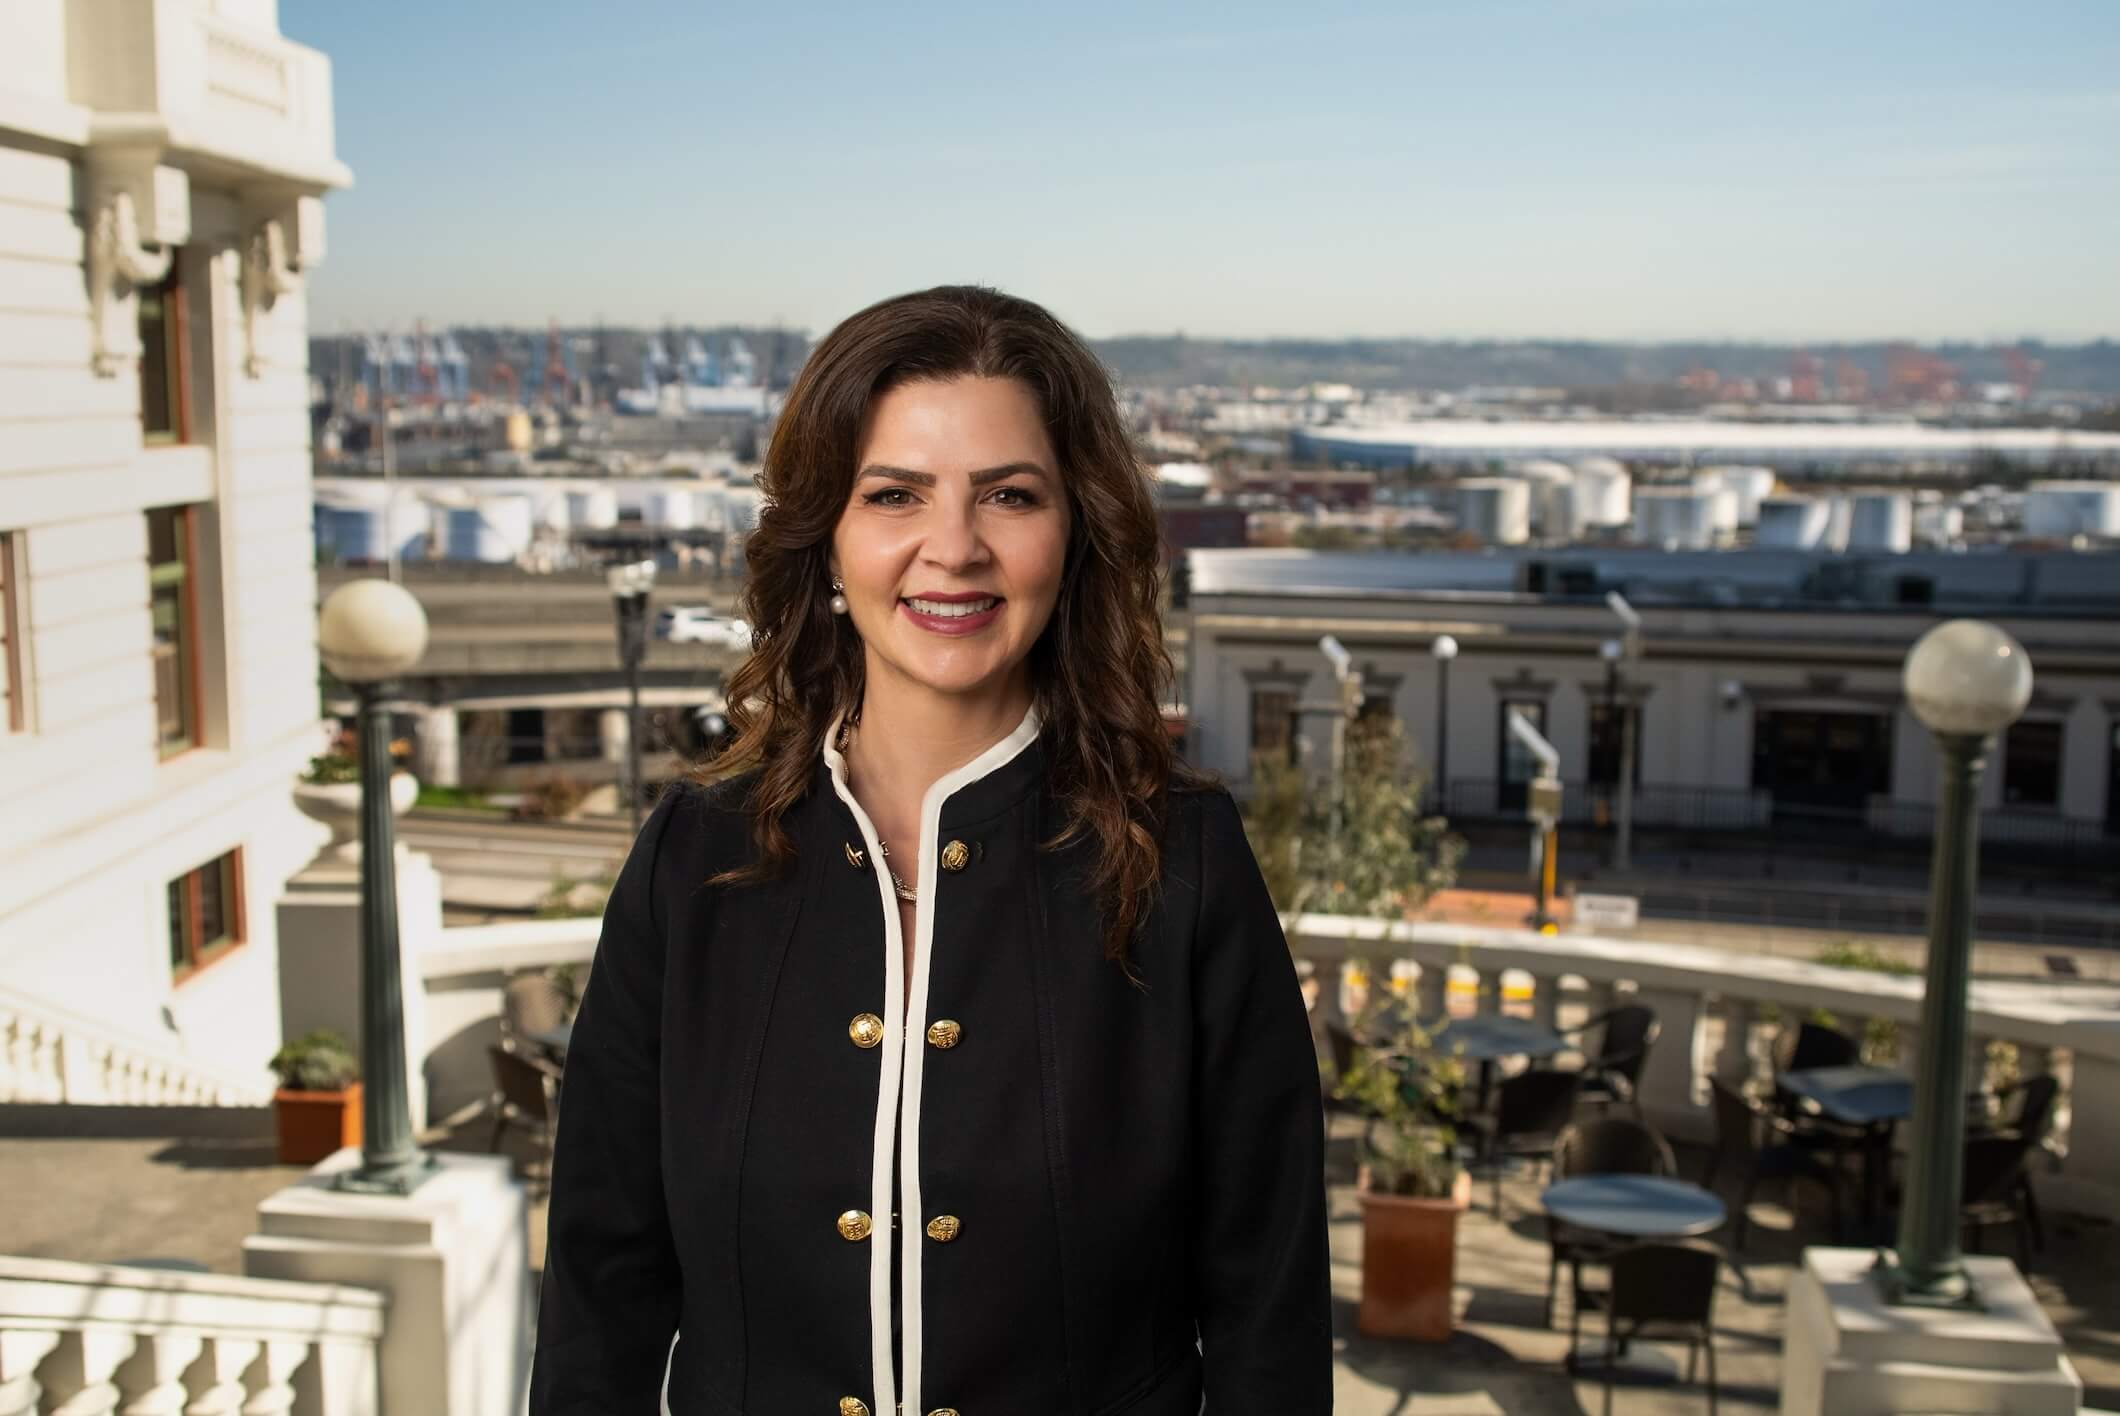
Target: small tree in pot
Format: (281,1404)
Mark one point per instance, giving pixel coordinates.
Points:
(317,1109)
(1413,1187)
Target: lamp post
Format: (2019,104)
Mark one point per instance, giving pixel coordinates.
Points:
(1631,652)
(1346,706)
(1966,680)
(368,633)
(1611,651)
(630,584)
(1443,650)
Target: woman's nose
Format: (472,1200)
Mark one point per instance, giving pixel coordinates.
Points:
(953,540)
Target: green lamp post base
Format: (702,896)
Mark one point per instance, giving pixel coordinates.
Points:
(1951,1291)
(400,1177)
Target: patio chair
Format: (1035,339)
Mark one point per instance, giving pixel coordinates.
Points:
(1994,1189)
(1613,1146)
(530,1004)
(1613,1076)
(2027,1109)
(1659,1293)
(1531,1110)
(525,1092)
(1342,1044)
(1781,1156)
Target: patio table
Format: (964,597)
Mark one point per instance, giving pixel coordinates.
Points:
(1862,1098)
(1634,1206)
(1487,1038)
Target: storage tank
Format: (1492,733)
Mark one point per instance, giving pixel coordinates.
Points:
(673,508)
(1750,485)
(592,508)
(494,529)
(1602,490)
(1682,518)
(1881,521)
(2063,509)
(1938,522)
(1791,524)
(1552,487)
(351,525)
(517,432)
(1495,509)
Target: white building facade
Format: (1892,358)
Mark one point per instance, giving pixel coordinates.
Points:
(161,169)
(1768,691)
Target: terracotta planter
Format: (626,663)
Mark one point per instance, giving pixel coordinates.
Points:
(313,1125)
(1409,1263)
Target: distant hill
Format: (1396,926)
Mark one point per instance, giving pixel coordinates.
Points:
(1175,361)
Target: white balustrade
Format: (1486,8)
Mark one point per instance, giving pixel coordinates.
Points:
(107,1340)
(1724,1013)
(51,1056)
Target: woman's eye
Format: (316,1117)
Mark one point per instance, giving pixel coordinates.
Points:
(889,496)
(1016,496)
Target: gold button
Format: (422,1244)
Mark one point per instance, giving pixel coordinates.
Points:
(943,1228)
(943,1411)
(944,1033)
(853,1406)
(956,856)
(857,859)
(866,1030)
(854,1225)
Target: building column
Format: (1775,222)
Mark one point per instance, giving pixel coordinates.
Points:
(439,763)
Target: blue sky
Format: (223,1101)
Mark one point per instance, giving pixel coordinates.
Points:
(1546,168)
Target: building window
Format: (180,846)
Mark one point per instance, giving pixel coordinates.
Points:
(172,565)
(2031,764)
(14,628)
(164,369)
(1273,724)
(205,914)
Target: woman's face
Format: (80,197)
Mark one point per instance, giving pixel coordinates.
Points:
(952,542)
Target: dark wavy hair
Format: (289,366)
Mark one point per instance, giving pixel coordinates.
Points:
(1099,669)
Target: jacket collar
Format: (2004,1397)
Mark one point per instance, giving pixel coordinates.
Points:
(991,783)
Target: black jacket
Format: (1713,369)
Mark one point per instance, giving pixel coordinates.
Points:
(1116,1199)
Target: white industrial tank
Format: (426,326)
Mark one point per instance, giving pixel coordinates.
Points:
(1682,518)
(1881,521)
(1792,524)
(2063,509)
(1602,491)
(1495,509)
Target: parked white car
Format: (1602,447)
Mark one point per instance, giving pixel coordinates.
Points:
(696,624)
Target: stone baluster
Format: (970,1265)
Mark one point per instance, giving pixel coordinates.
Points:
(270,1387)
(1598,997)
(1354,987)
(20,1352)
(1733,1060)
(78,1375)
(1671,1078)
(1431,991)
(339,1379)
(216,1380)
(151,1383)
(1546,1001)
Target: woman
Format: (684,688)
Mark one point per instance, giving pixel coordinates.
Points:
(948,1058)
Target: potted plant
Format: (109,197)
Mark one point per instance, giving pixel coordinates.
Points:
(1412,1186)
(317,1109)
(329,790)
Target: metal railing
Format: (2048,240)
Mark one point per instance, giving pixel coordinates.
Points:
(2040,837)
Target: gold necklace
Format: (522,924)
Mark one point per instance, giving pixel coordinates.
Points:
(905,892)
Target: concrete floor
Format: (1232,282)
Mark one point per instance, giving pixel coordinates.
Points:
(113,1200)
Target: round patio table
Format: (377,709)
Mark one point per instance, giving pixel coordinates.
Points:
(1489,1037)
(1635,1206)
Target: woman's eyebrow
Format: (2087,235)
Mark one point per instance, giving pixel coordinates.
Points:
(886,472)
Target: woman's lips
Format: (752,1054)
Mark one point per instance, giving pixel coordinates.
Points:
(952,618)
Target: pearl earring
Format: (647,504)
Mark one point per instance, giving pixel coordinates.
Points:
(839,598)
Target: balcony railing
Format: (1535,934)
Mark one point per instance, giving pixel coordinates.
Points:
(108,1338)
(1722,1013)
(2037,836)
